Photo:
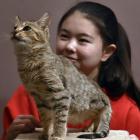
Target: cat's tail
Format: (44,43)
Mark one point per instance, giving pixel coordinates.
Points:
(93,135)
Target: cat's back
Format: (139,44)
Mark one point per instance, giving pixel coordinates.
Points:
(75,80)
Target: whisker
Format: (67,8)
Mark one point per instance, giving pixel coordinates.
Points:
(5,36)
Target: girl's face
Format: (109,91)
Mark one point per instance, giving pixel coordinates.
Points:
(79,40)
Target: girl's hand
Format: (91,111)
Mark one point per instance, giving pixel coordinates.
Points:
(22,124)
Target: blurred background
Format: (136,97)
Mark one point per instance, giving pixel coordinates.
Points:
(127,11)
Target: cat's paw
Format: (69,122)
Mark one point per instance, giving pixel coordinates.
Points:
(56,138)
(43,137)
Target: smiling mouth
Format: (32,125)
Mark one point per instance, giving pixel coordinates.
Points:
(72,59)
(75,62)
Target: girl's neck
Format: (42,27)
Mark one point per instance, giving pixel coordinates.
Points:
(94,75)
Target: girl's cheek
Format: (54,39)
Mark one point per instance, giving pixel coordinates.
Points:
(85,53)
(59,47)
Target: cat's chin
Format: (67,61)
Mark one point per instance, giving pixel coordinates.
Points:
(21,43)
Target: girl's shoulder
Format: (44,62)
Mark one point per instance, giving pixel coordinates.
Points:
(19,93)
(125,104)
(19,97)
(125,115)
(21,102)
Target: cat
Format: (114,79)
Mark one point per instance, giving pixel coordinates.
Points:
(62,94)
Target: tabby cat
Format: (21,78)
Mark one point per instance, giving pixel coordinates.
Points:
(63,95)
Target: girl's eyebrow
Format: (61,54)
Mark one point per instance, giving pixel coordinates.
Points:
(64,30)
(80,34)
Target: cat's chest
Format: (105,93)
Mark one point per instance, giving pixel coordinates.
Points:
(30,69)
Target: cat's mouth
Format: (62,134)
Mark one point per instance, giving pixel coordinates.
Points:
(14,37)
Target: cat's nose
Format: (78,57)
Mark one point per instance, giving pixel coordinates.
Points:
(13,34)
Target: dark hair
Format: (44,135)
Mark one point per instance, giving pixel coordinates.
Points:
(115,73)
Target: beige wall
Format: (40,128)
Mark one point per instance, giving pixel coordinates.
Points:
(127,12)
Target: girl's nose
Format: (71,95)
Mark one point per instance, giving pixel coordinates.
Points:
(71,46)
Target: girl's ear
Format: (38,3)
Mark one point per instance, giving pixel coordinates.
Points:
(108,51)
(44,21)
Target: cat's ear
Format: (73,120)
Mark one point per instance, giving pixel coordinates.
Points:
(44,21)
(17,21)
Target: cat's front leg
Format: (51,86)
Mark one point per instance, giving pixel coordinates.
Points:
(61,109)
(56,138)
(47,123)
(60,126)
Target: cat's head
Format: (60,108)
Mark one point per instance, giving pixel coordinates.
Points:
(31,33)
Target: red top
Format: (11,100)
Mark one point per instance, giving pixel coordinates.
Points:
(125,116)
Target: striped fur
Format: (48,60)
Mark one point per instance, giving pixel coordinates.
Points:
(61,92)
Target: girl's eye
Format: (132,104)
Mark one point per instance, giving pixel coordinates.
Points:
(64,37)
(26,28)
(84,41)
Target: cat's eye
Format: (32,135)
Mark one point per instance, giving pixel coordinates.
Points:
(26,28)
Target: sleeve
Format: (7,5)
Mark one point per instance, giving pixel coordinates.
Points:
(133,121)
(21,103)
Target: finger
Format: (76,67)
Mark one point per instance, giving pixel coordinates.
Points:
(16,127)
(24,116)
(19,121)
(14,131)
(21,128)
(28,117)
(22,125)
